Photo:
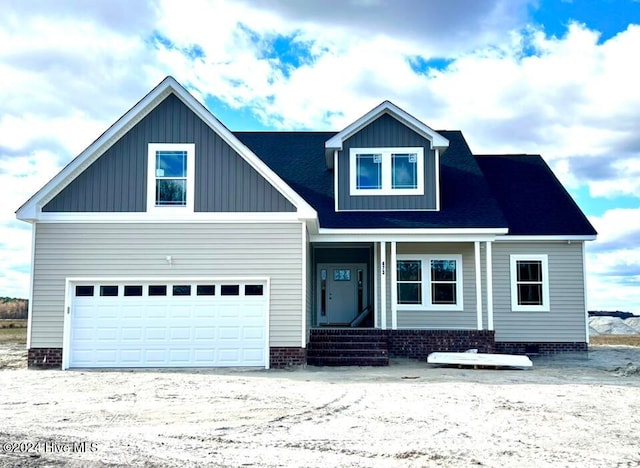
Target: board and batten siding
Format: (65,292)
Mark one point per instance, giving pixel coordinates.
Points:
(439,319)
(387,132)
(117,180)
(565,322)
(272,250)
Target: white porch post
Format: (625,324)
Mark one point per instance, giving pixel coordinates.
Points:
(476,246)
(393,291)
(376,288)
(488,253)
(383,285)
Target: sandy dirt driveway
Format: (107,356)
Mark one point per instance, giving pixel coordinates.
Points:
(564,412)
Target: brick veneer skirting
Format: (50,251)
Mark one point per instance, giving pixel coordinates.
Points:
(44,358)
(281,357)
(541,348)
(418,344)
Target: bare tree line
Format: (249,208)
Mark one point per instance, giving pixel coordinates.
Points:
(12,308)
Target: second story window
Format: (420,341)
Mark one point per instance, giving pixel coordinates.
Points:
(386,171)
(171,176)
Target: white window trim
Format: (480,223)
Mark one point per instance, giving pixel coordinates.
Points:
(426,283)
(545,307)
(386,171)
(151,177)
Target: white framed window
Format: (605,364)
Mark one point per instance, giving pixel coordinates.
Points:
(429,282)
(530,283)
(386,171)
(170,178)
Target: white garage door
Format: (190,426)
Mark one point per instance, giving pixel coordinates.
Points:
(168,324)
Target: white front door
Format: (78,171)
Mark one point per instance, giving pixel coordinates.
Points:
(168,324)
(341,291)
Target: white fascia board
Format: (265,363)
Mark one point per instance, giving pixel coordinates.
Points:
(31,210)
(545,238)
(437,140)
(416,236)
(146,217)
(417,231)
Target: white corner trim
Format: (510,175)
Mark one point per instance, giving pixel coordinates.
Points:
(437,169)
(31,277)
(335,181)
(437,140)
(584,287)
(489,266)
(305,279)
(478,271)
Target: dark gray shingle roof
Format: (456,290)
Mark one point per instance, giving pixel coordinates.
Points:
(471,194)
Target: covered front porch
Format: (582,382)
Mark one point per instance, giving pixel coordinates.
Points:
(426,282)
(400,298)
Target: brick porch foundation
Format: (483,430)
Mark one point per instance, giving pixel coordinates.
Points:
(418,344)
(540,348)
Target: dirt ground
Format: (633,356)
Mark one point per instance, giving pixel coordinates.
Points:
(567,411)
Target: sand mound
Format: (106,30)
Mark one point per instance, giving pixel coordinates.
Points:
(611,326)
(633,322)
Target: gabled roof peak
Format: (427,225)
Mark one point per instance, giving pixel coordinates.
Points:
(387,107)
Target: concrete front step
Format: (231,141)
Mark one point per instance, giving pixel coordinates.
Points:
(348,361)
(341,352)
(329,345)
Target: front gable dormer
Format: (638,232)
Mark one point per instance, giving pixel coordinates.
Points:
(386,161)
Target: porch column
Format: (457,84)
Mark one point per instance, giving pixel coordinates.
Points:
(488,253)
(376,287)
(476,246)
(394,290)
(383,285)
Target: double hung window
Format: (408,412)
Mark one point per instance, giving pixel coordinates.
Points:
(529,283)
(171,176)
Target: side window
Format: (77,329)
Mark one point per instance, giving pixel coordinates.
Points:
(530,283)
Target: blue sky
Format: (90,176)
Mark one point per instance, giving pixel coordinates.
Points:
(556,78)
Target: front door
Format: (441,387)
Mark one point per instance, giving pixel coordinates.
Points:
(342,292)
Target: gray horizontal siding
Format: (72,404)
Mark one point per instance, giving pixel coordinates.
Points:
(466,318)
(117,180)
(566,319)
(386,131)
(80,250)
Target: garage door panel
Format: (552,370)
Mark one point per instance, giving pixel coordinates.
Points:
(168,331)
(180,334)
